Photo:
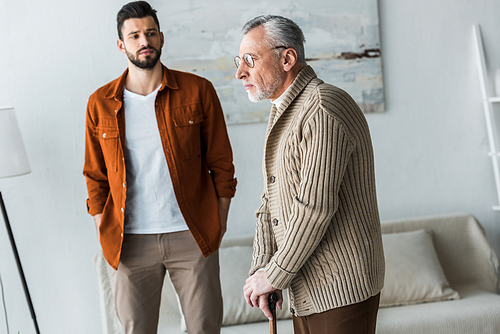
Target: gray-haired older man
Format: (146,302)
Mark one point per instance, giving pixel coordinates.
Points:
(318,229)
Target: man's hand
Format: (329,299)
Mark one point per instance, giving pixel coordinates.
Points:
(97,220)
(256,291)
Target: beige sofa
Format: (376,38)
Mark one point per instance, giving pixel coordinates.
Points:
(441,277)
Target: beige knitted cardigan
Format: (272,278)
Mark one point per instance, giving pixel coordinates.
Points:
(318,228)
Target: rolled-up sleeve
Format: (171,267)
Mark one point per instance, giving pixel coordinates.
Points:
(94,168)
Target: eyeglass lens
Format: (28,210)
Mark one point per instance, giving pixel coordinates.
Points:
(247,58)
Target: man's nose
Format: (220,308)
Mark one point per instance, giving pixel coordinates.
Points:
(241,71)
(143,40)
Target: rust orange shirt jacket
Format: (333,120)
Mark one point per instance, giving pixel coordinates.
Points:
(197,150)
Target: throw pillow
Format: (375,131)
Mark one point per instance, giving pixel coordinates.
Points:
(413,273)
(234,265)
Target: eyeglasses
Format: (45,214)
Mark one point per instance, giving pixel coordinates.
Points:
(249,59)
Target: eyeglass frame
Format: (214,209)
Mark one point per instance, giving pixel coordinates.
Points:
(238,60)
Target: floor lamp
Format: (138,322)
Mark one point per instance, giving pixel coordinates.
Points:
(13,162)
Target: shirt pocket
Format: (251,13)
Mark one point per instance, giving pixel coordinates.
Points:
(188,132)
(109,139)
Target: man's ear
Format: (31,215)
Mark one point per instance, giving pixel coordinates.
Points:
(162,39)
(121,45)
(290,59)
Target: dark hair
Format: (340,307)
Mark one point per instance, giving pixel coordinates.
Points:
(135,10)
(280,31)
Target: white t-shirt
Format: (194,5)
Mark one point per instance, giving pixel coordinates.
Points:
(151,206)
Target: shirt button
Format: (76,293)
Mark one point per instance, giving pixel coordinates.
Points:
(121,235)
(123,210)
(272,179)
(124,185)
(191,121)
(103,135)
(275,222)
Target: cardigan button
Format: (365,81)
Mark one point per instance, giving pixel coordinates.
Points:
(292,311)
(275,222)
(272,179)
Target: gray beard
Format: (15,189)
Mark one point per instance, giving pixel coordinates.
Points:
(263,94)
(266,92)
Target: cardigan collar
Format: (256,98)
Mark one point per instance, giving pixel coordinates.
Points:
(302,79)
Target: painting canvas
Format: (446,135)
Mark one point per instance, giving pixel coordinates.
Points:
(342,46)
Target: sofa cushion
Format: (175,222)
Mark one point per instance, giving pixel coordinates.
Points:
(475,313)
(413,273)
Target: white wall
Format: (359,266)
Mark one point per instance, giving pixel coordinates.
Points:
(430,145)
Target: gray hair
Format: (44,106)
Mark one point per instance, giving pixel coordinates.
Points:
(281,32)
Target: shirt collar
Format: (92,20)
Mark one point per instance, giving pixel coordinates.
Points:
(116,90)
(278,101)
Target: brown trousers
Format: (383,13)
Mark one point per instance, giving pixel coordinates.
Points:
(360,318)
(139,280)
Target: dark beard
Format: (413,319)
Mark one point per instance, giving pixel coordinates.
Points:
(147,63)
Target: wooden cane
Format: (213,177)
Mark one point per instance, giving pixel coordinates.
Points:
(272,299)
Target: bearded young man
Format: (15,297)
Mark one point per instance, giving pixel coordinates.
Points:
(160,176)
(318,229)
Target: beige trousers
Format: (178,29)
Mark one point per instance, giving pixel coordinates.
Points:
(139,279)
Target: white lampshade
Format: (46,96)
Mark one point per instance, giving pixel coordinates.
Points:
(13,159)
